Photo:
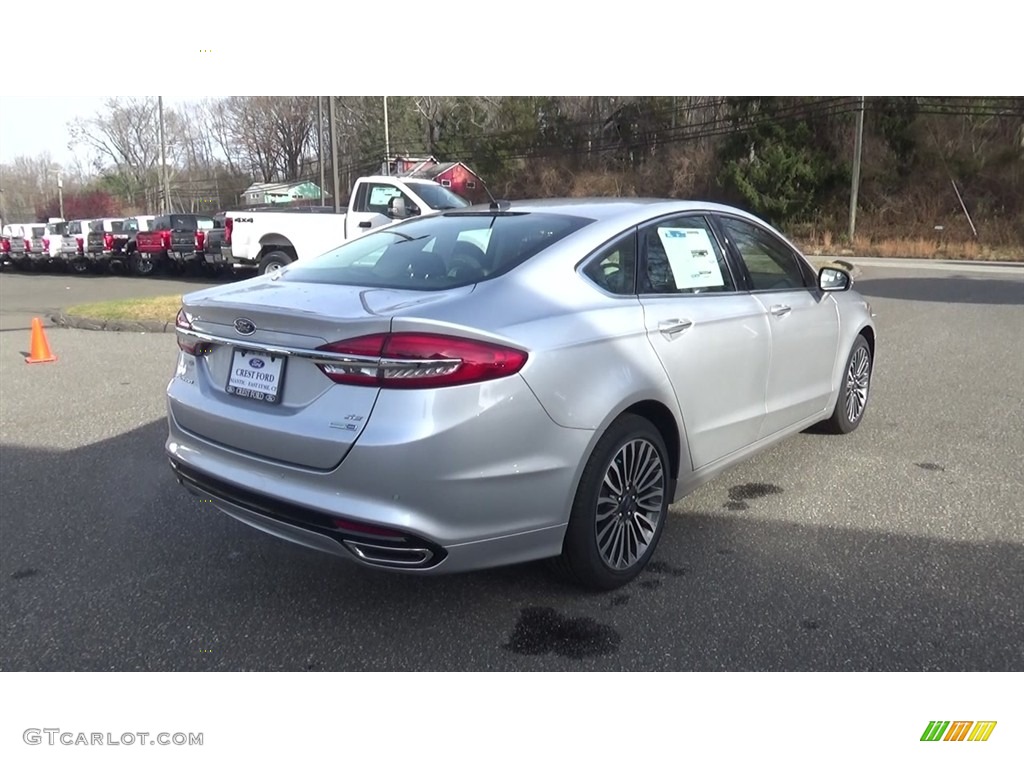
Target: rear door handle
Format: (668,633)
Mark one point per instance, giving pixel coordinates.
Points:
(780,309)
(671,327)
(364,224)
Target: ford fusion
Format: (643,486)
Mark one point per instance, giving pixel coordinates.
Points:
(512,382)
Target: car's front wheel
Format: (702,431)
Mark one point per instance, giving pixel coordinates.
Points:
(620,507)
(854,391)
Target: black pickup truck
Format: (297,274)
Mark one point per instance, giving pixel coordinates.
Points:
(215,261)
(105,242)
(188,240)
(174,239)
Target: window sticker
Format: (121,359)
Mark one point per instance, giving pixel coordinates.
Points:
(383,195)
(691,257)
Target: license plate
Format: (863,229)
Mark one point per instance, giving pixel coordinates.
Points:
(256,376)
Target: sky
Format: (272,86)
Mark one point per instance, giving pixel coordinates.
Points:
(31,125)
(778,48)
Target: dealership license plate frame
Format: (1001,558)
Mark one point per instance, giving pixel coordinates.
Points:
(241,356)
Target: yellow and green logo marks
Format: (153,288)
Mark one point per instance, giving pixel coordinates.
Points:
(958,730)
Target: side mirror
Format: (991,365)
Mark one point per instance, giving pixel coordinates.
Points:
(396,208)
(831,279)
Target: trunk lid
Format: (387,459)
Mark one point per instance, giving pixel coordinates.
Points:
(315,421)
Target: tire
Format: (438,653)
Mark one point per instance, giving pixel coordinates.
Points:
(606,544)
(142,267)
(79,266)
(273,261)
(854,390)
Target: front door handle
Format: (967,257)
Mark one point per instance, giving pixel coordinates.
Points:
(364,224)
(779,310)
(671,327)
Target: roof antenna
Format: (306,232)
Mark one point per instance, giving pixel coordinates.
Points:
(496,205)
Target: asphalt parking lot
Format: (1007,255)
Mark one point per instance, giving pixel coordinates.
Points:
(899,547)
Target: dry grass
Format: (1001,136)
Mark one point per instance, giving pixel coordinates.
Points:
(824,243)
(159,308)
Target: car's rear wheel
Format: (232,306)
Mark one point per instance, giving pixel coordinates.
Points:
(854,391)
(620,507)
(141,267)
(273,261)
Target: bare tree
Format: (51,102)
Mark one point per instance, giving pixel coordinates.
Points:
(125,134)
(294,121)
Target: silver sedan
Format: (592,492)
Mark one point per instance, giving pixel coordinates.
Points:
(512,382)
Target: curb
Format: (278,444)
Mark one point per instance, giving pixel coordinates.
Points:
(91,324)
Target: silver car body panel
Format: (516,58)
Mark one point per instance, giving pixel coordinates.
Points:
(489,470)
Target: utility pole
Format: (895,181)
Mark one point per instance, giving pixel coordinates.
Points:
(387,141)
(320,142)
(163,157)
(334,153)
(60,194)
(858,145)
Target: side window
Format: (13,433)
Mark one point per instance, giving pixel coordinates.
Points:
(614,268)
(681,255)
(771,263)
(380,196)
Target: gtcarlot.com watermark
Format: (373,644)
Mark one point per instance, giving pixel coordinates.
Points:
(56,736)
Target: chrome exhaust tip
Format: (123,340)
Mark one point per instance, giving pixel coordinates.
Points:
(393,557)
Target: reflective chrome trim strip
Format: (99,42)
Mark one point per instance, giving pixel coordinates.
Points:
(320,357)
(317,356)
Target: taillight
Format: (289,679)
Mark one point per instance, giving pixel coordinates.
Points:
(165,240)
(46,244)
(108,241)
(28,245)
(190,346)
(5,245)
(200,240)
(420,361)
(81,247)
(228,226)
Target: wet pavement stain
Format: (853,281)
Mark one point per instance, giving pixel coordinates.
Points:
(931,467)
(736,506)
(618,600)
(649,583)
(660,566)
(541,631)
(810,624)
(24,573)
(752,491)
(726,551)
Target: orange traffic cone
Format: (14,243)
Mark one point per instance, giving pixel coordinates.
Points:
(40,349)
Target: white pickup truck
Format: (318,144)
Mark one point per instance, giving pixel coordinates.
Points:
(267,240)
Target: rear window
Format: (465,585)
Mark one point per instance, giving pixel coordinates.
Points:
(136,225)
(438,252)
(179,221)
(38,231)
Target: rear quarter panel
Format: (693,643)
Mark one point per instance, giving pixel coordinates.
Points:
(590,359)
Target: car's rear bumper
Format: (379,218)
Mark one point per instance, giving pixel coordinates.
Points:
(408,553)
(185,256)
(491,486)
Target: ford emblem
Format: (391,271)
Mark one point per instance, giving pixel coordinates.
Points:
(245,327)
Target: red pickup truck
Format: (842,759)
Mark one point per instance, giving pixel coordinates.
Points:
(176,238)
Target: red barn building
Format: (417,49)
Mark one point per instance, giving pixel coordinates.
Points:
(458,177)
